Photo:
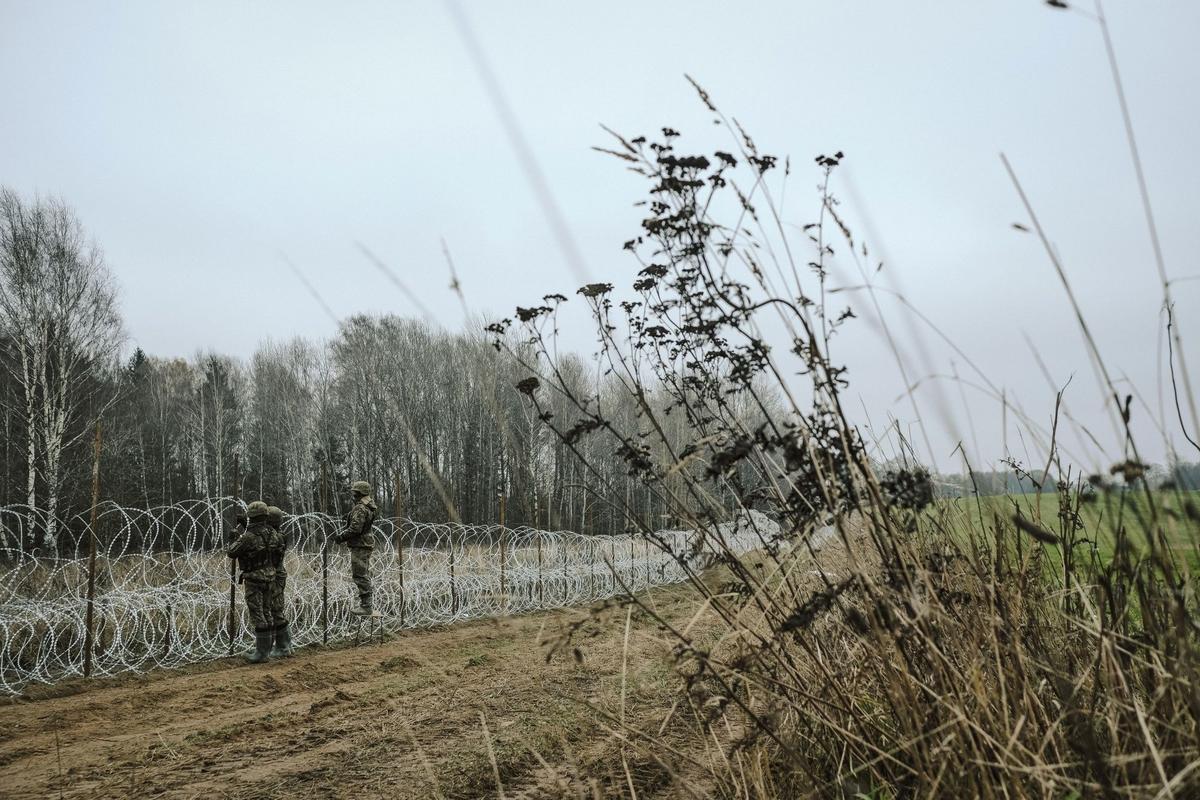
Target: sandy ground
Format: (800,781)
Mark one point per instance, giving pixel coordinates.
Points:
(401,719)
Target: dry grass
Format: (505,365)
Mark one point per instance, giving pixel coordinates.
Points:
(957,667)
(979,650)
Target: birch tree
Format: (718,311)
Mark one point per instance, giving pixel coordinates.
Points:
(216,421)
(58,308)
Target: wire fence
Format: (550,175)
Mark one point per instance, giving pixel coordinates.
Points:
(162,585)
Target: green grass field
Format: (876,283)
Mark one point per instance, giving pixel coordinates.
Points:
(1091,525)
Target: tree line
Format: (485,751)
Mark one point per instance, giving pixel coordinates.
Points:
(988,483)
(431,418)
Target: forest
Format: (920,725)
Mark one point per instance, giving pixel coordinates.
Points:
(430,417)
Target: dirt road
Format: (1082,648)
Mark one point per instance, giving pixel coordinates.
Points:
(401,719)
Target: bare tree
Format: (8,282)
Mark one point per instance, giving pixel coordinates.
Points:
(282,425)
(216,416)
(58,308)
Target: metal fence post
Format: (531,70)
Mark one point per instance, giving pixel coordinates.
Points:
(167,636)
(396,510)
(503,560)
(646,547)
(324,555)
(233,562)
(541,585)
(632,566)
(453,588)
(89,635)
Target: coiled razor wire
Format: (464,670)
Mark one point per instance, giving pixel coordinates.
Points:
(162,585)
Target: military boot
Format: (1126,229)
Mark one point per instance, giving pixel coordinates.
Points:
(366,608)
(283,642)
(262,646)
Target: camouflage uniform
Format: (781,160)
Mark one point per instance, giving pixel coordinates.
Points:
(253,552)
(283,637)
(359,537)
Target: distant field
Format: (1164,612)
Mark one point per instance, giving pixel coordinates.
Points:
(1101,518)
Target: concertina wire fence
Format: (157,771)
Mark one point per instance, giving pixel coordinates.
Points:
(162,581)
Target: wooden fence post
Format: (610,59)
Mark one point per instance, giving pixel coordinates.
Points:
(541,584)
(233,561)
(89,634)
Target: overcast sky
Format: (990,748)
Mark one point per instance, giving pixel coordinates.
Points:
(204,144)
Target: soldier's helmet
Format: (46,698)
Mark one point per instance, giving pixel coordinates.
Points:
(360,487)
(275,515)
(257,510)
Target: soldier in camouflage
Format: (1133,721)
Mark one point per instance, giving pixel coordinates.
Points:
(253,551)
(359,537)
(279,622)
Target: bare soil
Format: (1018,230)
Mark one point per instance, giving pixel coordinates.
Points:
(403,719)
